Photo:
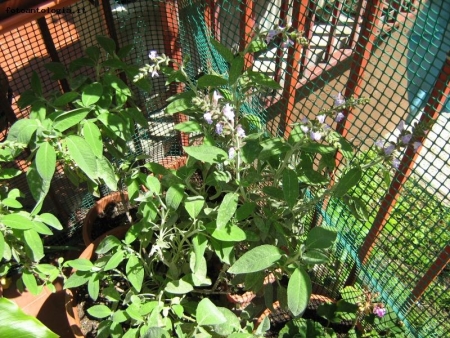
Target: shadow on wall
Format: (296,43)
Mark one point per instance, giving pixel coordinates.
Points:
(428,44)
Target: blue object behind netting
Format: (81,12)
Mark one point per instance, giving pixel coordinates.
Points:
(428,44)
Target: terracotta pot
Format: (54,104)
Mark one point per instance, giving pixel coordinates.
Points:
(70,300)
(96,210)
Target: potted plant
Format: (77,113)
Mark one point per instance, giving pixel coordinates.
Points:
(234,214)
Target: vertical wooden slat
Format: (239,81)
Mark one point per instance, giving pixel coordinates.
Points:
(51,48)
(212,17)
(284,8)
(432,273)
(308,30)
(431,112)
(172,48)
(337,7)
(353,38)
(292,74)
(246,27)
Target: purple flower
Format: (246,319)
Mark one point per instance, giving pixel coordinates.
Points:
(208,117)
(231,153)
(401,126)
(240,132)
(339,100)
(339,117)
(416,145)
(379,311)
(219,128)
(395,164)
(406,138)
(315,136)
(389,149)
(321,118)
(304,120)
(228,112)
(288,43)
(305,129)
(155,73)
(216,97)
(270,35)
(153,54)
(379,143)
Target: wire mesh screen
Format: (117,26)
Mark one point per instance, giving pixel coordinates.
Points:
(391,52)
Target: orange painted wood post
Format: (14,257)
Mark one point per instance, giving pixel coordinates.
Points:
(308,34)
(360,59)
(431,112)
(172,48)
(284,9)
(246,28)
(292,74)
(337,7)
(212,18)
(432,273)
(353,38)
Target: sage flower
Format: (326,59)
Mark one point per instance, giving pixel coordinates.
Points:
(231,153)
(208,117)
(228,112)
(339,100)
(240,132)
(216,97)
(379,143)
(406,138)
(219,128)
(321,118)
(401,126)
(389,150)
(339,117)
(288,43)
(315,136)
(153,54)
(270,35)
(155,73)
(379,311)
(416,145)
(395,163)
(305,129)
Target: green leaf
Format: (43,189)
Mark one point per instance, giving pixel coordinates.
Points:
(30,282)
(108,243)
(299,291)
(99,311)
(64,99)
(245,210)
(38,187)
(208,314)
(153,184)
(231,325)
(263,80)
(58,70)
(70,118)
(81,152)
(345,148)
(17,221)
(227,209)
(8,173)
(114,261)
(77,279)
(135,272)
(315,256)
(320,237)
(194,205)
(206,153)
(228,233)
(263,326)
(290,187)
(237,65)
(94,286)
(125,50)
(224,51)
(257,259)
(349,180)
(178,287)
(209,80)
(174,196)
(22,130)
(107,173)
(188,127)
(91,93)
(15,323)
(34,242)
(93,137)
(107,44)
(50,220)
(317,148)
(94,53)
(180,103)
(2,244)
(81,264)
(137,115)
(36,84)
(46,161)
